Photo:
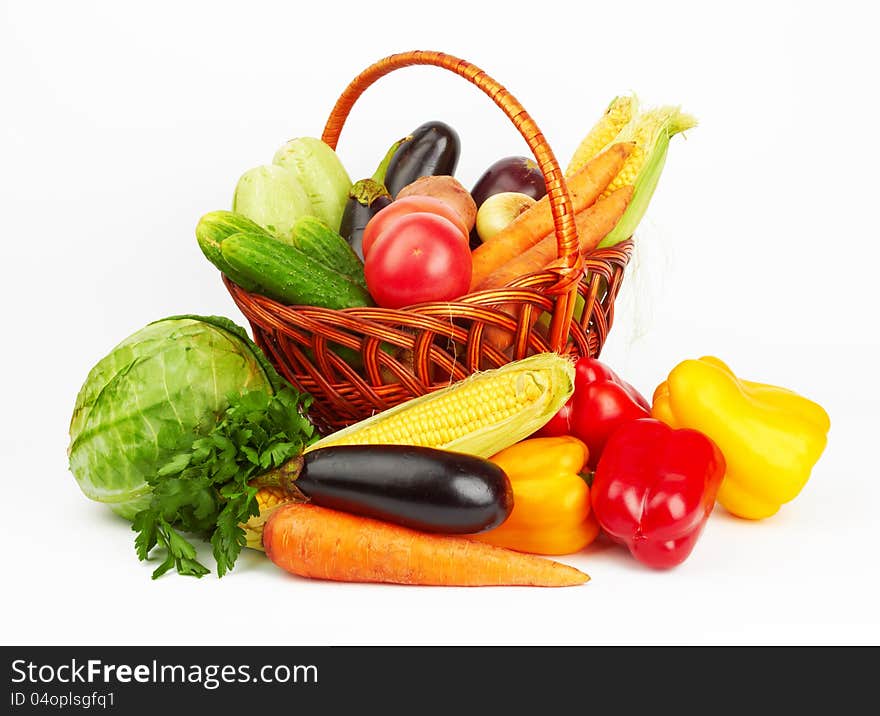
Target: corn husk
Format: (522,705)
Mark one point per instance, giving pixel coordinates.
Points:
(651,132)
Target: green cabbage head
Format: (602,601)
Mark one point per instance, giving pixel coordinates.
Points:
(143,402)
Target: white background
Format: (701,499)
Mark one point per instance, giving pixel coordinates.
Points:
(123,123)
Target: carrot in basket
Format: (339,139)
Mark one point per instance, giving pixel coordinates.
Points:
(593,224)
(531,226)
(315,542)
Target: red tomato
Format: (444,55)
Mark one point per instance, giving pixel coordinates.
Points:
(419,257)
(409,205)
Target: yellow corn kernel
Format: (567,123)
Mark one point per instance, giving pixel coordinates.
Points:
(481,415)
(269,497)
(268,500)
(616,117)
(645,131)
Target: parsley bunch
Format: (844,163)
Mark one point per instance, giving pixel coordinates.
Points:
(204,488)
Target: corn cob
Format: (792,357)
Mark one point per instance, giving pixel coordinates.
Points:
(646,131)
(268,500)
(618,114)
(650,132)
(480,415)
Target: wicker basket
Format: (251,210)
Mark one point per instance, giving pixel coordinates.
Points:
(406,353)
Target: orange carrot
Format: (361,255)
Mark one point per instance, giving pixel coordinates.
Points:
(315,542)
(593,224)
(531,226)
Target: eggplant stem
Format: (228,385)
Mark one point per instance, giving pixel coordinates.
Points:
(382,169)
(366,191)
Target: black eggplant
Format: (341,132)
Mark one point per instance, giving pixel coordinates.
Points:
(432,150)
(418,487)
(519,174)
(366,198)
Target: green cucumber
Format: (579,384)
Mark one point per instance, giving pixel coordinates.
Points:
(286,274)
(310,235)
(313,237)
(215,227)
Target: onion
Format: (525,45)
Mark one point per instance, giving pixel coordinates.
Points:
(499,210)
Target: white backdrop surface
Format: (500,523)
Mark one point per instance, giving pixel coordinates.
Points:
(123,123)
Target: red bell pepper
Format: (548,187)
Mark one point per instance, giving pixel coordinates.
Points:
(601,402)
(654,489)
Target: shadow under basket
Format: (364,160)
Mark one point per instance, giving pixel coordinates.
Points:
(359,361)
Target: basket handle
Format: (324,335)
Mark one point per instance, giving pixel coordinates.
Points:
(569,267)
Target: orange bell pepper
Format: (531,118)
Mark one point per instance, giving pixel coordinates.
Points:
(551,501)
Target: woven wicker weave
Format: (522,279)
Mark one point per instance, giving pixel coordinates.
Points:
(406,353)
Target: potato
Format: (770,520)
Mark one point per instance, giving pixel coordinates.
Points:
(447,189)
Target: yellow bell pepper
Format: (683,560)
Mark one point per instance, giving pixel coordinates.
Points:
(551,501)
(770,437)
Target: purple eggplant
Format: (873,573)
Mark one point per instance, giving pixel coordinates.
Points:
(418,487)
(519,174)
(366,199)
(431,150)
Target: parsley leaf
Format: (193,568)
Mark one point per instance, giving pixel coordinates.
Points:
(203,489)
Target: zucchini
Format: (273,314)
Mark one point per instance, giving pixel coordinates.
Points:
(313,237)
(286,274)
(273,197)
(318,170)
